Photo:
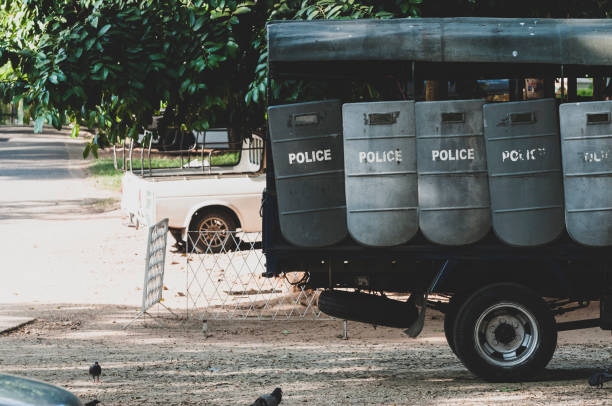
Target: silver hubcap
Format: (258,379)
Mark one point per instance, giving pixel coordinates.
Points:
(506,334)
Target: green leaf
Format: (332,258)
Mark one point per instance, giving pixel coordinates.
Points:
(78,90)
(86,151)
(198,24)
(89,43)
(103,30)
(242,10)
(96,67)
(75,131)
(232,48)
(38,124)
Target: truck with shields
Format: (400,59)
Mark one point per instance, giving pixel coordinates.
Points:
(402,174)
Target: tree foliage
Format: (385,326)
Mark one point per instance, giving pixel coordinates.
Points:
(111,65)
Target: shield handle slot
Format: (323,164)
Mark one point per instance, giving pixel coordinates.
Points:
(381,118)
(453,118)
(523,118)
(305,119)
(598,118)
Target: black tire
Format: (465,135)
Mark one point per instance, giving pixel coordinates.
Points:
(505,332)
(451,315)
(367,308)
(212,232)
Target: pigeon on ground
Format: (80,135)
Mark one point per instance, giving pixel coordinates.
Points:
(600,378)
(273,399)
(95,370)
(93,402)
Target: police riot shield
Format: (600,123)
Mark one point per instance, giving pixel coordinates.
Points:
(380,165)
(454,205)
(306,141)
(524,163)
(586,130)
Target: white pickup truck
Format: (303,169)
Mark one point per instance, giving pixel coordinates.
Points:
(201,201)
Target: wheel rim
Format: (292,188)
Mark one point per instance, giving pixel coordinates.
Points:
(214,232)
(506,334)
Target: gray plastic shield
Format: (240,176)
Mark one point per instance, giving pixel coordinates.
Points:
(380,164)
(524,163)
(306,141)
(586,130)
(454,205)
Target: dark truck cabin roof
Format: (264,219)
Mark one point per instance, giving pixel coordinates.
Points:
(441,47)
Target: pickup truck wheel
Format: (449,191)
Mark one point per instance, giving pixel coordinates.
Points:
(214,232)
(505,332)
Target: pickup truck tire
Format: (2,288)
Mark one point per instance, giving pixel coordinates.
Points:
(213,231)
(505,332)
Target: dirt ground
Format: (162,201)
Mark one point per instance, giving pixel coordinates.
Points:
(69,261)
(177,364)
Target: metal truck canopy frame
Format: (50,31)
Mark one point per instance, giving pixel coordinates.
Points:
(472,40)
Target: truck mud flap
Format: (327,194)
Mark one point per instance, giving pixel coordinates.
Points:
(454,204)
(586,130)
(524,164)
(380,172)
(306,141)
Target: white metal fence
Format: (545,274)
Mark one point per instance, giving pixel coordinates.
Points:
(224,281)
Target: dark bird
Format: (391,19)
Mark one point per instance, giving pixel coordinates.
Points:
(600,378)
(273,399)
(93,402)
(95,370)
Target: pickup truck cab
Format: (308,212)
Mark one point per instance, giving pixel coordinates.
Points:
(201,201)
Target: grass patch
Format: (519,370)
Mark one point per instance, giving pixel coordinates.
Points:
(226,158)
(107,177)
(105,174)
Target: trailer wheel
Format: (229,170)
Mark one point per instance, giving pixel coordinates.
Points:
(213,231)
(505,332)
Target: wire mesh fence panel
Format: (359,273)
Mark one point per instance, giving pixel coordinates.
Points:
(155,264)
(224,281)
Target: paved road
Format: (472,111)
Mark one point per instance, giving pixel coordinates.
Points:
(57,243)
(38,178)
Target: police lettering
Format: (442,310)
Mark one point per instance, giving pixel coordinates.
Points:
(597,156)
(464,154)
(380,156)
(310,156)
(530,154)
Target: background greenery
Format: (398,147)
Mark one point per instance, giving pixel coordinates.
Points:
(111,65)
